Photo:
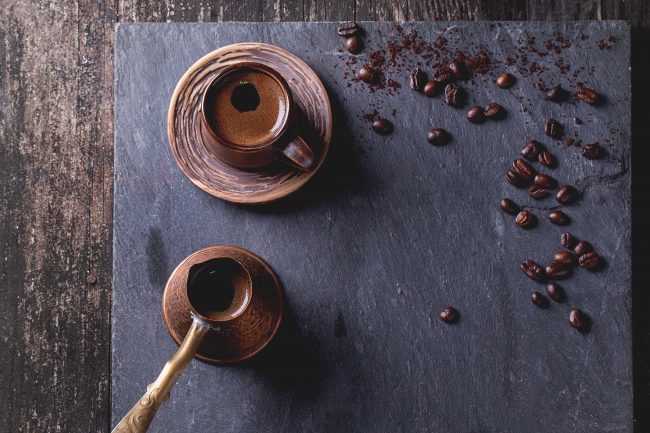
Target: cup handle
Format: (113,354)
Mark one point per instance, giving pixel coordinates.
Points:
(138,419)
(299,154)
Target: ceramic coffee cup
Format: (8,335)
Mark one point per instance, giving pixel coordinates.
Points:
(248,114)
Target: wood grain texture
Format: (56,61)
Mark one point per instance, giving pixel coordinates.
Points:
(56,103)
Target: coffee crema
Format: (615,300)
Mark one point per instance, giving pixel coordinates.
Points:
(248,107)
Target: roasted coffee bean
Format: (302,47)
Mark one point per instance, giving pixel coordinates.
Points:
(532,150)
(590,96)
(568,241)
(443,75)
(545,181)
(354,44)
(523,169)
(459,69)
(553,129)
(590,261)
(382,126)
(525,219)
(367,75)
(566,194)
(476,115)
(494,111)
(505,80)
(348,29)
(582,248)
(565,258)
(449,315)
(593,151)
(513,178)
(454,95)
(509,206)
(539,300)
(577,319)
(559,218)
(533,270)
(417,79)
(557,94)
(537,193)
(557,271)
(547,159)
(432,88)
(438,137)
(555,291)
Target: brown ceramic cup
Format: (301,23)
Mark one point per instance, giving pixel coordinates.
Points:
(248,114)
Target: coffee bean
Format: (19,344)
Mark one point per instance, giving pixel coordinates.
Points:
(577,319)
(459,69)
(438,137)
(533,270)
(582,248)
(557,271)
(509,206)
(557,94)
(593,151)
(368,75)
(590,261)
(443,75)
(494,111)
(476,115)
(553,129)
(555,291)
(559,218)
(532,150)
(432,88)
(524,170)
(537,193)
(454,95)
(539,300)
(449,315)
(568,241)
(525,219)
(565,258)
(547,159)
(566,194)
(382,126)
(590,96)
(354,44)
(545,181)
(348,29)
(417,79)
(505,80)
(513,178)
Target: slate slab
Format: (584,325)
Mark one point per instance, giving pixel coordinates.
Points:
(389,233)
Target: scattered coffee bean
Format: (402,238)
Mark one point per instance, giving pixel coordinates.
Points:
(505,80)
(582,248)
(547,159)
(555,291)
(432,88)
(348,29)
(539,300)
(449,315)
(590,261)
(459,70)
(524,170)
(509,206)
(354,44)
(494,111)
(593,151)
(525,219)
(577,319)
(417,79)
(590,96)
(382,126)
(534,271)
(557,94)
(438,137)
(553,129)
(514,179)
(568,241)
(558,271)
(566,194)
(367,74)
(532,150)
(537,193)
(443,75)
(476,115)
(454,95)
(565,258)
(559,218)
(545,181)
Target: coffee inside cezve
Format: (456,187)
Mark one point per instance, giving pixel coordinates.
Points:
(247,107)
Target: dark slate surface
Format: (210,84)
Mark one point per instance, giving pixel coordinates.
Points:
(387,235)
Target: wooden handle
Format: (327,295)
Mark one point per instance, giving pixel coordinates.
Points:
(137,420)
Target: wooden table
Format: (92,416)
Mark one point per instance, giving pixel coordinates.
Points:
(56,176)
